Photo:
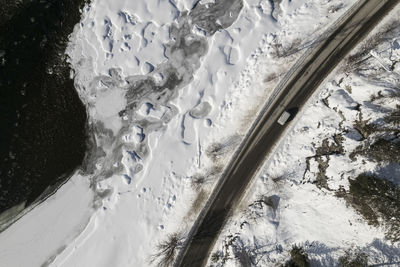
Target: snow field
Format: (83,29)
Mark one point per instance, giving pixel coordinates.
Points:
(142,180)
(306,215)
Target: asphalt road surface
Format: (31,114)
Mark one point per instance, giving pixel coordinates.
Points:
(298,87)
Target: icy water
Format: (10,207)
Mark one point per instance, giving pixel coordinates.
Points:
(43,122)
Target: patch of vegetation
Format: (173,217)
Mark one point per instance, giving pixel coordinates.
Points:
(224,255)
(394,117)
(198,180)
(377,200)
(259,207)
(167,250)
(298,258)
(322,153)
(348,89)
(216,257)
(365,128)
(355,61)
(321,178)
(271,77)
(217,150)
(278,178)
(382,150)
(277,181)
(377,96)
(325,101)
(289,49)
(331,148)
(335,8)
(353,259)
(245,255)
(380,142)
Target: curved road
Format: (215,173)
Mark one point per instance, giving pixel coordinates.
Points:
(293,92)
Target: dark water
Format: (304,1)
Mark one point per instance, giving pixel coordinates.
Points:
(43,123)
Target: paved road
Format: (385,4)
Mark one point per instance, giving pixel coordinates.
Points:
(293,93)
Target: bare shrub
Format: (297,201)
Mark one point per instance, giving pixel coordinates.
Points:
(355,61)
(244,256)
(348,88)
(278,178)
(198,180)
(377,96)
(329,146)
(292,48)
(167,250)
(216,257)
(335,8)
(217,150)
(271,77)
(364,127)
(353,259)
(248,255)
(298,258)
(278,181)
(264,205)
(215,170)
(269,201)
(393,117)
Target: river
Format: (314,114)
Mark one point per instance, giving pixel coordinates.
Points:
(43,122)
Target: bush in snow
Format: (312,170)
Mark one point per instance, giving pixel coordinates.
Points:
(167,250)
(353,259)
(298,258)
(378,201)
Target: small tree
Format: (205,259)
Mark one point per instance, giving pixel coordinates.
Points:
(167,250)
(353,259)
(298,258)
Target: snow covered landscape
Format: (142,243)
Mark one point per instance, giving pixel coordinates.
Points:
(296,199)
(171,89)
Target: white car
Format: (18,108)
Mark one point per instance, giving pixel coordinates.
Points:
(284,118)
